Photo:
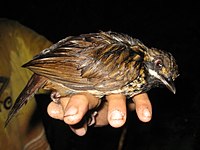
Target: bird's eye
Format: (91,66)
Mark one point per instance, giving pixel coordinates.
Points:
(158,63)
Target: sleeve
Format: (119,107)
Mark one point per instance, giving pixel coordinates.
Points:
(18,44)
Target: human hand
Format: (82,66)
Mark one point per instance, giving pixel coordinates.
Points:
(113,111)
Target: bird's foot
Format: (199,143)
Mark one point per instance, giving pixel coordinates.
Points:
(92,119)
(55,96)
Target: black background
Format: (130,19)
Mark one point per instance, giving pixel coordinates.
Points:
(172,26)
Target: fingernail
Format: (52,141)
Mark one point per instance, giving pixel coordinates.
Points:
(117,118)
(55,112)
(116,115)
(146,113)
(71,111)
(80,131)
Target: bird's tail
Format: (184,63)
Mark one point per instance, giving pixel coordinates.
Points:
(33,85)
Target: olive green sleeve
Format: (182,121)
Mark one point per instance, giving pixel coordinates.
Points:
(18,44)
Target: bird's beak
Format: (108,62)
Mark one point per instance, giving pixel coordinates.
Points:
(168,82)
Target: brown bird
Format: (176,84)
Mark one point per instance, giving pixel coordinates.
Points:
(99,63)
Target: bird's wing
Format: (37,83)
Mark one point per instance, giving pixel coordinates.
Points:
(88,62)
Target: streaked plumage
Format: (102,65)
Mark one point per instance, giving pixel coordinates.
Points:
(99,63)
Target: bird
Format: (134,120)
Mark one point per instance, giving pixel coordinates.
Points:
(101,64)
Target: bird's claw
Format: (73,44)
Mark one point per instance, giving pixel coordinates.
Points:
(55,96)
(92,119)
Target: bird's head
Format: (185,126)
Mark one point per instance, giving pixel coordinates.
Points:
(161,67)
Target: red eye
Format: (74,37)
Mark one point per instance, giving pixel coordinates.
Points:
(158,63)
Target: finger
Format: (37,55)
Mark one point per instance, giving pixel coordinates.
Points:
(116,110)
(143,107)
(101,118)
(131,106)
(81,131)
(64,101)
(55,111)
(77,107)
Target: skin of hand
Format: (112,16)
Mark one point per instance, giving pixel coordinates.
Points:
(113,111)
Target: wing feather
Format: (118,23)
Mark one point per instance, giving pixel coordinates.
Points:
(101,61)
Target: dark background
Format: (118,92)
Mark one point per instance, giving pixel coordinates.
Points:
(172,26)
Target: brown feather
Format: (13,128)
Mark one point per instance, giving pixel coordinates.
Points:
(96,60)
